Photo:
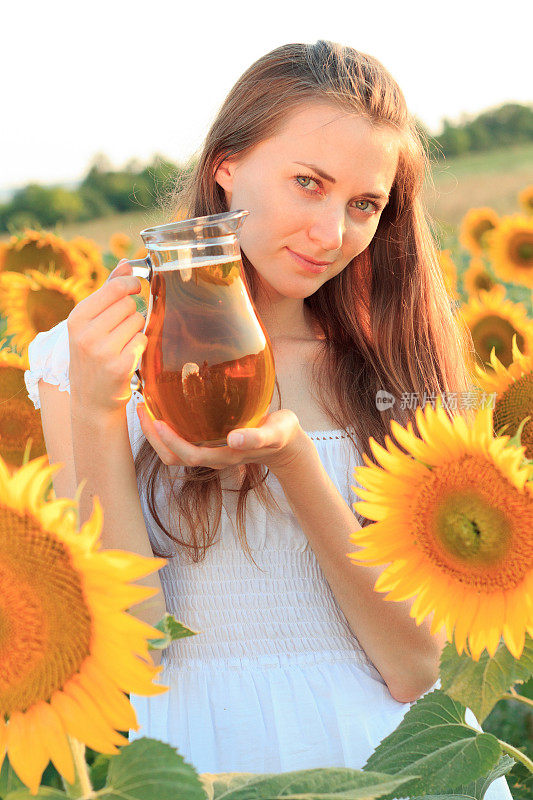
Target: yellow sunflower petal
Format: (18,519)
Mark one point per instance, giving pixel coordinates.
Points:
(85,729)
(28,763)
(53,733)
(423,604)
(464,620)
(112,703)
(495,614)
(515,624)
(74,690)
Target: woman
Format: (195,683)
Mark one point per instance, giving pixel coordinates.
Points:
(297,661)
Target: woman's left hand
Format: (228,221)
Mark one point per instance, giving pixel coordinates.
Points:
(276,443)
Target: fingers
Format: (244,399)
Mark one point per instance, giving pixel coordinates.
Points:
(173,450)
(109,293)
(131,353)
(123,268)
(165,453)
(119,337)
(117,313)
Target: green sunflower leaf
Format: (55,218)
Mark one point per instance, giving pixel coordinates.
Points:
(99,770)
(171,630)
(309,784)
(434,741)
(151,770)
(475,790)
(480,684)
(47,792)
(9,780)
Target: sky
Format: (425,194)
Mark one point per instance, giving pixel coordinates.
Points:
(131,79)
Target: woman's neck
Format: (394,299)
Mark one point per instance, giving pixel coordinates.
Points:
(288,318)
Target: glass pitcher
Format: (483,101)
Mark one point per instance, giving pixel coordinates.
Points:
(208,366)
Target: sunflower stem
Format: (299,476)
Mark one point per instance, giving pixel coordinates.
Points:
(517,754)
(82,786)
(513,695)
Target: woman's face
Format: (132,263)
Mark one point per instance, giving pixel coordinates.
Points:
(295,209)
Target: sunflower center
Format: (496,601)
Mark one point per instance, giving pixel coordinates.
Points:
(483,281)
(13,426)
(469,530)
(19,421)
(45,624)
(11,382)
(47,307)
(521,249)
(475,525)
(36,255)
(512,406)
(495,331)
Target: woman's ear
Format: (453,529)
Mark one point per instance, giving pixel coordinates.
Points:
(224,176)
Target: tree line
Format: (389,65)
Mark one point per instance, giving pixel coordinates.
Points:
(104,190)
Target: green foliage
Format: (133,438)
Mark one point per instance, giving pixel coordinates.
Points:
(35,204)
(145,770)
(9,781)
(510,124)
(309,784)
(434,741)
(102,192)
(479,685)
(171,630)
(512,722)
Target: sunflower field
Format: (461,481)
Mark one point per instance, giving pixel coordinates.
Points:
(462,547)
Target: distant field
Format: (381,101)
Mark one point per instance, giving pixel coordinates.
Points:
(480,179)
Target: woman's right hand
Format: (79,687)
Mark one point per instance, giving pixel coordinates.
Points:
(106,342)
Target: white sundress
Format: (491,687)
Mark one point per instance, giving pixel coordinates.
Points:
(275,679)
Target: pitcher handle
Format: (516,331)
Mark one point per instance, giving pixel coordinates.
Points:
(141,268)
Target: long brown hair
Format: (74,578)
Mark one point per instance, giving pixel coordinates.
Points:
(387,318)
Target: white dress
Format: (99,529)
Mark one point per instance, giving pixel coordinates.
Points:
(275,679)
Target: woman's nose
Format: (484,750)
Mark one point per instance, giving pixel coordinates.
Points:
(328,229)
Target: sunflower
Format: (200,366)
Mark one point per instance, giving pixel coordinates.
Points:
(44,252)
(449,272)
(476,223)
(35,302)
(69,651)
(477,277)
(19,420)
(525,198)
(514,394)
(493,321)
(120,245)
(141,252)
(511,249)
(89,250)
(453,522)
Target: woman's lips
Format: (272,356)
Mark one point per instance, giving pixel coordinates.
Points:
(308,265)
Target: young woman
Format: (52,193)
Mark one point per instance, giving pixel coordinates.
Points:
(297,661)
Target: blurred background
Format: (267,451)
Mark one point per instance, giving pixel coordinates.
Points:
(107,105)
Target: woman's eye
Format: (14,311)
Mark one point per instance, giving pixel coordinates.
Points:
(305,180)
(370,207)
